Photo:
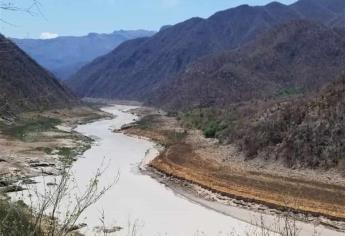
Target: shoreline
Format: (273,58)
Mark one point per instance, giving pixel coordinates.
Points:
(257,215)
(23,160)
(163,195)
(216,200)
(254,214)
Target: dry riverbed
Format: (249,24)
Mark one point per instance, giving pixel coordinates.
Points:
(219,173)
(34,143)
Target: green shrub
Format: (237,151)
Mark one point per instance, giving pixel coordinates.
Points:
(22,128)
(16,220)
(211,130)
(213,122)
(146,122)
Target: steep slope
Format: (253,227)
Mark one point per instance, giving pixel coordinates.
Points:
(66,55)
(304,132)
(296,57)
(24,85)
(134,75)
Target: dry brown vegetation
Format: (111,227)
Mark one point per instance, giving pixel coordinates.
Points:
(305,132)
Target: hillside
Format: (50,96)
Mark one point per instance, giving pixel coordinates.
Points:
(305,132)
(24,85)
(292,59)
(64,56)
(134,73)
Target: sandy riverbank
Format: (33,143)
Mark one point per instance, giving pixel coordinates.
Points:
(35,143)
(156,209)
(192,161)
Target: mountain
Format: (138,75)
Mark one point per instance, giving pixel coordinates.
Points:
(25,85)
(132,74)
(135,69)
(304,132)
(322,11)
(66,55)
(296,57)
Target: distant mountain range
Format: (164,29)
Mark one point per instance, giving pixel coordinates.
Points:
(64,56)
(25,85)
(139,68)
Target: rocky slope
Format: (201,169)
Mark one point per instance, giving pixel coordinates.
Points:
(24,85)
(137,68)
(66,55)
(292,59)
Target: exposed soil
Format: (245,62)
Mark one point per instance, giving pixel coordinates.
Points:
(222,169)
(41,151)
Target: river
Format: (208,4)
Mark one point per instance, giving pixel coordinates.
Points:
(136,200)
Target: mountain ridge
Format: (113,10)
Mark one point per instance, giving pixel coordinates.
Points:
(162,57)
(299,55)
(65,55)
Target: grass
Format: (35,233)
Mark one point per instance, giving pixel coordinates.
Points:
(172,137)
(212,122)
(27,127)
(46,150)
(16,220)
(68,154)
(150,126)
(146,122)
(290,92)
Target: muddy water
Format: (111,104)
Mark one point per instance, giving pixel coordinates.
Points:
(137,202)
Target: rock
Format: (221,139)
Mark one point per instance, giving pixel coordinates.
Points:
(11,189)
(128,126)
(105,230)
(41,164)
(28,181)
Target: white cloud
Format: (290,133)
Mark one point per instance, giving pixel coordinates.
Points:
(48,35)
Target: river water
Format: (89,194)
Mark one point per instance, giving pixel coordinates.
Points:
(136,200)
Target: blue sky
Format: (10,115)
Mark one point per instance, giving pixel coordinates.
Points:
(79,17)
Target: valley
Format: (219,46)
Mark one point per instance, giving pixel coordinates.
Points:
(232,123)
(189,198)
(65,55)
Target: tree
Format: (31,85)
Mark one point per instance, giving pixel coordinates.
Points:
(33,8)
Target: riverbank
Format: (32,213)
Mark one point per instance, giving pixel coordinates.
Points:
(205,168)
(157,210)
(36,143)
